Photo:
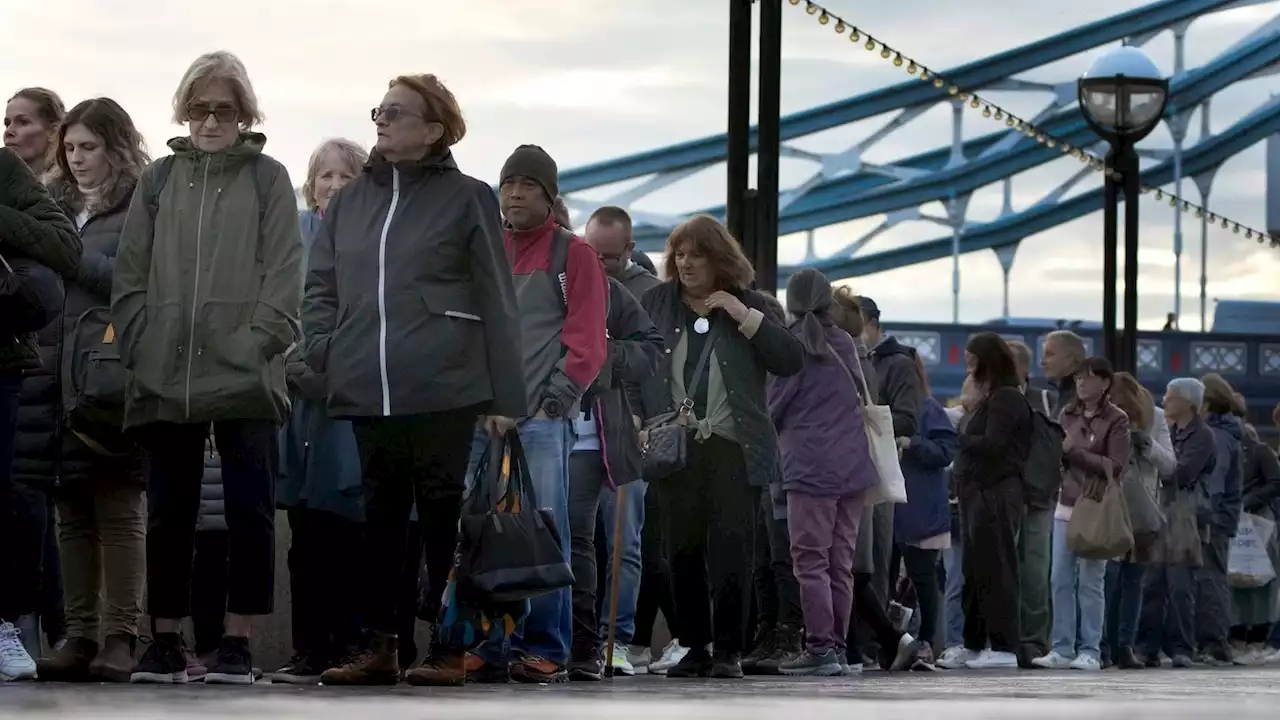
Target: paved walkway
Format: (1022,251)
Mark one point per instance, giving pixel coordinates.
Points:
(1166,694)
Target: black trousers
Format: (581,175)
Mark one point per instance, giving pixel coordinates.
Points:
(1213,596)
(53,615)
(710,514)
(870,615)
(408,458)
(992,516)
(586,479)
(923,570)
(175,465)
(324,563)
(655,574)
(777,592)
(209,589)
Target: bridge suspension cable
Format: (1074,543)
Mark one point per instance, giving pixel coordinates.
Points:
(995,112)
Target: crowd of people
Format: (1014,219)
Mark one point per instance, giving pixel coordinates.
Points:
(182,355)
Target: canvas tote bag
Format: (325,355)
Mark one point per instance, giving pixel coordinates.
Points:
(877,421)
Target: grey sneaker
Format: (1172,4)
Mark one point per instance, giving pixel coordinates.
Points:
(806,663)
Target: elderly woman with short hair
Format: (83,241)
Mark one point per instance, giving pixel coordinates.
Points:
(320,481)
(205,306)
(410,313)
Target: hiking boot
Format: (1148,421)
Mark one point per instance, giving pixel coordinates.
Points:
(234,664)
(765,642)
(377,664)
(69,663)
(300,670)
(440,669)
(727,666)
(788,643)
(535,670)
(163,663)
(114,662)
(482,671)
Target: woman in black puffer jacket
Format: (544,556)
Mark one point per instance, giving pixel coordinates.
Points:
(92,467)
(38,245)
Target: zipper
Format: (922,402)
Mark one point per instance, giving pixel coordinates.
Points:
(195,288)
(604,444)
(382,292)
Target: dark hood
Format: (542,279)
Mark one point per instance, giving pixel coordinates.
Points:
(890,347)
(1229,424)
(380,168)
(635,270)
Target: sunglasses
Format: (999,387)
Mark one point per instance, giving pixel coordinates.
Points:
(391,113)
(200,113)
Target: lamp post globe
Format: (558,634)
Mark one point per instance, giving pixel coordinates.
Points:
(1123,95)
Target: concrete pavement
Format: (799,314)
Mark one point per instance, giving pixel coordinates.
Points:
(1236,694)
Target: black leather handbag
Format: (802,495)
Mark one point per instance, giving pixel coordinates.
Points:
(509,548)
(667,450)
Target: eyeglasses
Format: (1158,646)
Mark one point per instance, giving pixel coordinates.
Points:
(607,258)
(391,113)
(197,112)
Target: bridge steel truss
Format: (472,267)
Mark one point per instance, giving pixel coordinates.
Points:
(844,187)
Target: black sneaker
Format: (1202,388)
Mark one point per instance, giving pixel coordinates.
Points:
(300,670)
(726,666)
(696,664)
(163,662)
(234,665)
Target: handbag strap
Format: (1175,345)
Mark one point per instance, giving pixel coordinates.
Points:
(518,482)
(859,390)
(686,407)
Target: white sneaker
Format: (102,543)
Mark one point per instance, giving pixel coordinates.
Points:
(1053,661)
(1271,656)
(954,658)
(621,663)
(15,663)
(991,660)
(671,656)
(1086,662)
(640,657)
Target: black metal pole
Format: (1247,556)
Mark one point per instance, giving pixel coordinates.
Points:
(1109,246)
(739,114)
(1128,160)
(769,144)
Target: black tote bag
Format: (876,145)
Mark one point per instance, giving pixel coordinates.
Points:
(509,548)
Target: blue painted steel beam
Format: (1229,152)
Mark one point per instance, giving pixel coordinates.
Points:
(864,194)
(1199,158)
(711,149)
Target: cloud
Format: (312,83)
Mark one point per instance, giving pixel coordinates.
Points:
(591,81)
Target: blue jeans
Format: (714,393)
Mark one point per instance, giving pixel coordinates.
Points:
(1124,606)
(548,628)
(1077,599)
(629,582)
(952,562)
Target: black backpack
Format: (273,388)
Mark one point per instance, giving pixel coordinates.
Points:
(1042,477)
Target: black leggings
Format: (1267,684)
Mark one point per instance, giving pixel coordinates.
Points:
(1251,634)
(655,575)
(922,570)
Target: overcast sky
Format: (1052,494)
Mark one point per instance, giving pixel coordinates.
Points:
(594,79)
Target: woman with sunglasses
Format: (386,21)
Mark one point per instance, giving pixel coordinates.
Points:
(204,305)
(410,313)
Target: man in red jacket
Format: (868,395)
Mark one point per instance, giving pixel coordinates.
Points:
(561,290)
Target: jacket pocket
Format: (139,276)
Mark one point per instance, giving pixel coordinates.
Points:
(154,356)
(453,313)
(230,356)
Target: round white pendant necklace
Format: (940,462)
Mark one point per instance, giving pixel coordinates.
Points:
(701,326)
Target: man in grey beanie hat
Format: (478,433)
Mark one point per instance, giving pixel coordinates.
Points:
(533,162)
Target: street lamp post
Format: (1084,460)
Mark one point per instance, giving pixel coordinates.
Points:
(1123,98)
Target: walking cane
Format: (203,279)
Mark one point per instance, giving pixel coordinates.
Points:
(615,579)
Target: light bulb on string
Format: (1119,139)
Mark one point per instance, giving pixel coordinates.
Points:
(937,82)
(840,28)
(871,44)
(953,91)
(974,103)
(986,111)
(854,35)
(824,18)
(810,8)
(897,60)
(999,114)
(885,52)
(911,68)
(795,2)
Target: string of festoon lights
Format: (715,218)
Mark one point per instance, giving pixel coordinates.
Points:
(995,112)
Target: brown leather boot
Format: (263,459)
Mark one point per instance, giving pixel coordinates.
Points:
(378,664)
(70,663)
(115,662)
(440,670)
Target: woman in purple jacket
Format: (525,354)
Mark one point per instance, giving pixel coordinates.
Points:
(826,468)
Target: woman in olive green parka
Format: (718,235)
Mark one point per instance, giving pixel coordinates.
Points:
(205,304)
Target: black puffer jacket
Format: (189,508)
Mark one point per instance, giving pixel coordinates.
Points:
(40,244)
(90,286)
